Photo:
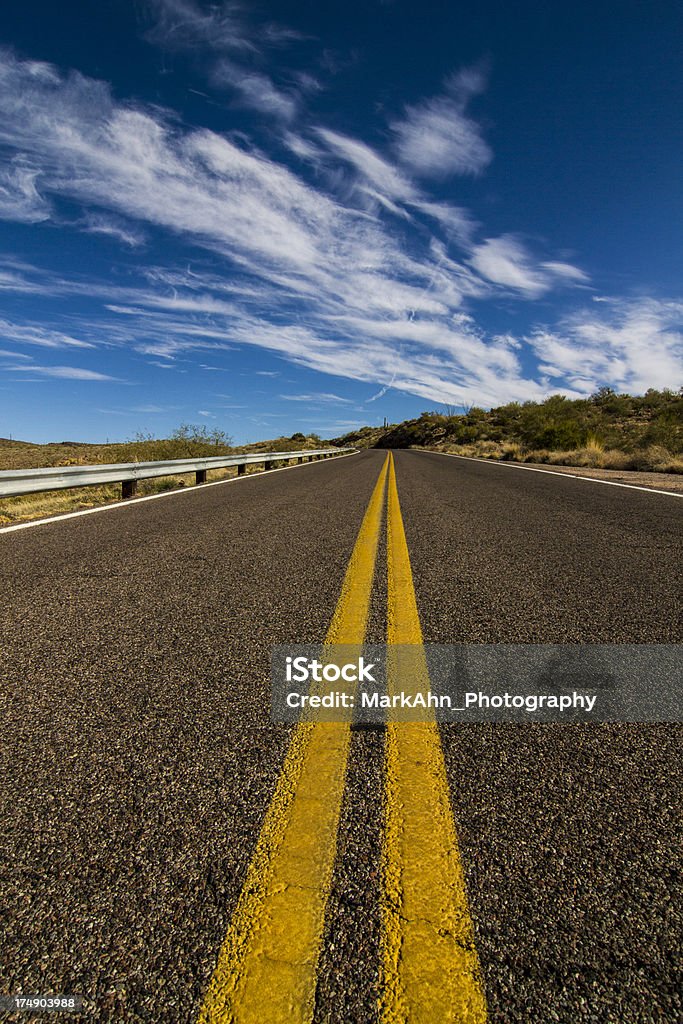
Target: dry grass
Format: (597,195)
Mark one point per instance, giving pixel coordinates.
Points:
(592,455)
(21,455)
(594,444)
(654,459)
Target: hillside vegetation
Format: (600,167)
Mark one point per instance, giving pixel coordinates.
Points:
(187,442)
(607,430)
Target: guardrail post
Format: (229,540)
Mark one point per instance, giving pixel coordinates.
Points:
(200,476)
(129,488)
(241,469)
(300,460)
(267,465)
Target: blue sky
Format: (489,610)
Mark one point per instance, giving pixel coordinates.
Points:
(309,216)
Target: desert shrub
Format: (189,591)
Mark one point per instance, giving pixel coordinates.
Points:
(512,452)
(657,459)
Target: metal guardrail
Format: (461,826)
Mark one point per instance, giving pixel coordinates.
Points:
(29,481)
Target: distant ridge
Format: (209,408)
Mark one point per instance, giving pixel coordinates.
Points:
(73,444)
(48,444)
(5,441)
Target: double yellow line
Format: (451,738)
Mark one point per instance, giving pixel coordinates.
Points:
(267,966)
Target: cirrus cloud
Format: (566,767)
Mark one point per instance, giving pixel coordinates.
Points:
(436,138)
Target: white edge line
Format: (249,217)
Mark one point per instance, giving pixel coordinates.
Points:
(553,472)
(163,494)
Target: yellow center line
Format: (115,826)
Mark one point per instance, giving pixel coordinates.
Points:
(266,969)
(429,966)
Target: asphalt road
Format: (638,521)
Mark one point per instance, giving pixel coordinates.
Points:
(138,757)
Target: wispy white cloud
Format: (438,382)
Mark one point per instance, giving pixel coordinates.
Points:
(505,261)
(566,270)
(456,222)
(27,334)
(12,282)
(98,224)
(200,184)
(22,278)
(344,425)
(631,345)
(380,394)
(304,148)
(185,25)
(20,199)
(256,90)
(436,138)
(237,44)
(224,27)
(65,372)
(138,409)
(13,355)
(388,180)
(319,396)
